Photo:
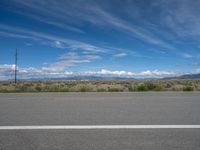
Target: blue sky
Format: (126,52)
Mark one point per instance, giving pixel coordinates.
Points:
(129,38)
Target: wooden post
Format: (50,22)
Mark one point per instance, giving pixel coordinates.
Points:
(16,66)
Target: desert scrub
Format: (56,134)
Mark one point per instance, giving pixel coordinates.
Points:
(101,90)
(141,88)
(114,89)
(131,88)
(100,86)
(149,85)
(177,87)
(85,88)
(38,88)
(167,85)
(64,90)
(188,88)
(159,88)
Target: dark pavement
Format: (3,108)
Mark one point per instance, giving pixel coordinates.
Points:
(162,108)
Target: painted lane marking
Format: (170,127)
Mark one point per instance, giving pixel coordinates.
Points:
(88,127)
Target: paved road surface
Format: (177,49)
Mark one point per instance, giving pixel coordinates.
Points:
(100,109)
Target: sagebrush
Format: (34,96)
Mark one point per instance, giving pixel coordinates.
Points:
(100,86)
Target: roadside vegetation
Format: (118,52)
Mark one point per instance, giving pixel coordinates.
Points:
(100,86)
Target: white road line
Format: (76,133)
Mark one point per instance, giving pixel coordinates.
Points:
(89,127)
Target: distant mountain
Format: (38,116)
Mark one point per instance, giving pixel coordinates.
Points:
(78,78)
(186,76)
(81,78)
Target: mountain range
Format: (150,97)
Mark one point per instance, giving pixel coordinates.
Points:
(186,76)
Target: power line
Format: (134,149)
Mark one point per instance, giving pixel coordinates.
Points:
(16,55)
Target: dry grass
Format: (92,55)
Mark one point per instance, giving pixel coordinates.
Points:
(100,86)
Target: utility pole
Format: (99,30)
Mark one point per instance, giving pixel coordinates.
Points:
(16,65)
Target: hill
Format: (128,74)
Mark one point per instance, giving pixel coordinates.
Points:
(186,76)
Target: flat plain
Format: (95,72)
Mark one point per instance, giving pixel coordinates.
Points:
(99,86)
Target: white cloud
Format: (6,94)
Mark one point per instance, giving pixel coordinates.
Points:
(104,72)
(144,74)
(29,44)
(6,68)
(79,13)
(7,72)
(135,31)
(181,16)
(196,64)
(58,44)
(156,73)
(120,55)
(56,41)
(73,59)
(55,16)
(196,71)
(187,55)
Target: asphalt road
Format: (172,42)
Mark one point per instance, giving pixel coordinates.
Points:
(100,109)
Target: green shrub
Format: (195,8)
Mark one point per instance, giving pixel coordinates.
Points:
(37,88)
(101,90)
(114,89)
(85,88)
(131,88)
(4,90)
(141,87)
(168,85)
(188,88)
(158,88)
(64,90)
(149,85)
